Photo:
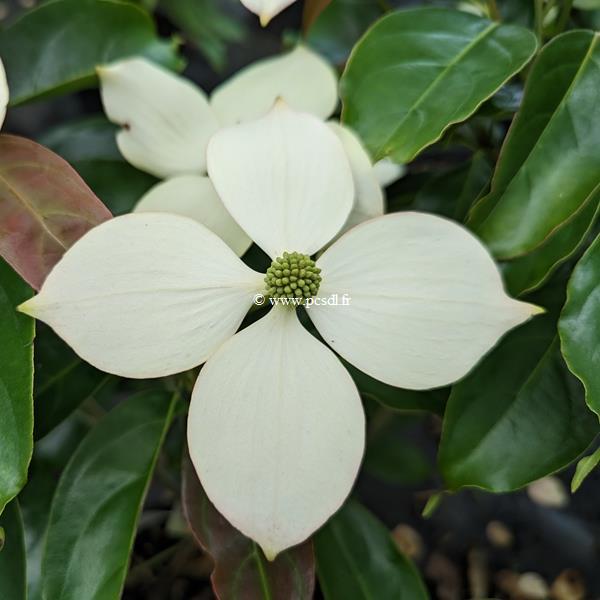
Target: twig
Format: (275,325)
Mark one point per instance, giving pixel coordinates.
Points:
(493,10)
(563,17)
(539,19)
(385,5)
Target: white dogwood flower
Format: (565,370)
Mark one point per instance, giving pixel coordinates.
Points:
(3,93)
(266,9)
(276,430)
(167,122)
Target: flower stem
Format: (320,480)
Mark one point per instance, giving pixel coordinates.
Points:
(493,10)
(384,5)
(563,17)
(539,19)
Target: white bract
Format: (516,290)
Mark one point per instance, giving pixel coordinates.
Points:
(266,9)
(3,93)
(167,122)
(276,430)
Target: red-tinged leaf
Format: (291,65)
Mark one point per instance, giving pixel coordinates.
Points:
(241,569)
(45,207)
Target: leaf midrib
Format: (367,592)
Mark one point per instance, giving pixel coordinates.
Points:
(31,210)
(476,447)
(429,89)
(543,133)
(351,562)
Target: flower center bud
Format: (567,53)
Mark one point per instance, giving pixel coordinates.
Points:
(293,275)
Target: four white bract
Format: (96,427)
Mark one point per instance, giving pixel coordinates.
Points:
(266,9)
(3,93)
(276,430)
(168,121)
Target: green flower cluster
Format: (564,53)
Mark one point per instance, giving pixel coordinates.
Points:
(293,275)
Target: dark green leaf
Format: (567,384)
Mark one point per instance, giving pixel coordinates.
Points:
(451,193)
(12,555)
(339,26)
(517,11)
(241,569)
(50,457)
(209,24)
(358,560)
(528,272)
(398,398)
(579,324)
(16,385)
(518,417)
(98,500)
(90,146)
(119,185)
(56,47)
(416,72)
(62,381)
(549,166)
(391,454)
(91,138)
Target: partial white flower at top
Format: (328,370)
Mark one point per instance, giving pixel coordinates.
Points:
(3,93)
(167,122)
(266,9)
(276,430)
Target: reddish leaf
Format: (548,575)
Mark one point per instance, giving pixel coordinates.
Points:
(45,207)
(241,569)
(312,9)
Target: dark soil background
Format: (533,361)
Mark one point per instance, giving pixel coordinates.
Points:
(475,545)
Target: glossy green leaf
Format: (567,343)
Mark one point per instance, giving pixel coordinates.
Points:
(416,72)
(62,381)
(99,498)
(579,324)
(549,167)
(56,47)
(584,467)
(391,454)
(520,415)
(13,584)
(119,185)
(398,398)
(89,145)
(88,139)
(451,193)
(50,457)
(16,385)
(339,25)
(526,273)
(517,11)
(45,207)
(241,571)
(358,560)
(211,25)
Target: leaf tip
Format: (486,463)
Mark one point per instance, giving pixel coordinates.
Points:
(432,505)
(575,483)
(28,307)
